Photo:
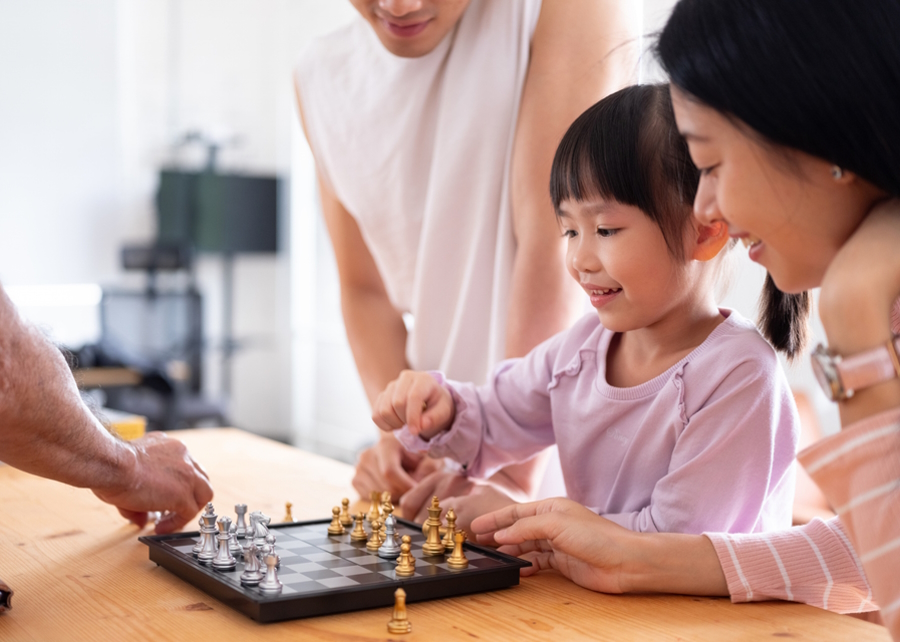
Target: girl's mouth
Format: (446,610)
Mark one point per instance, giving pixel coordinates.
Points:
(602,296)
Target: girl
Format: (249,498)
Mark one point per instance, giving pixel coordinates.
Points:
(790,109)
(670,414)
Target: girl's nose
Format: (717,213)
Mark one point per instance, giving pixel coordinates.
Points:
(706,209)
(585,259)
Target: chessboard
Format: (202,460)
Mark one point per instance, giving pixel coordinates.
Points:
(325,574)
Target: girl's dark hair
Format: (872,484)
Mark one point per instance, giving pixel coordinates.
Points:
(627,148)
(819,76)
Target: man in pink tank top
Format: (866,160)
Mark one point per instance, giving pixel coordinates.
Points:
(573,56)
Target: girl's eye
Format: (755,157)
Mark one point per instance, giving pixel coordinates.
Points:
(605,232)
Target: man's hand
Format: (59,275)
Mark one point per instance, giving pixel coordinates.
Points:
(162,477)
(563,535)
(466,497)
(388,466)
(416,400)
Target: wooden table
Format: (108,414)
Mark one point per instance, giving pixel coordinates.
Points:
(79,573)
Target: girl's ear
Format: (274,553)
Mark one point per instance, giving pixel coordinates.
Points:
(710,240)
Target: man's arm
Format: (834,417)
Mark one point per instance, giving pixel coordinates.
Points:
(46,429)
(581,51)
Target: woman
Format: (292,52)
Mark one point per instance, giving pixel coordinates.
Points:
(791,114)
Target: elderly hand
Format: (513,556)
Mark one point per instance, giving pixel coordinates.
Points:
(162,477)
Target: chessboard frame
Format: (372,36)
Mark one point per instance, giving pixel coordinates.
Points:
(263,608)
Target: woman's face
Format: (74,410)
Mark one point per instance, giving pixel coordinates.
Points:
(411,28)
(786,205)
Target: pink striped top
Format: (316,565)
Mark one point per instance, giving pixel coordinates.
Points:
(827,563)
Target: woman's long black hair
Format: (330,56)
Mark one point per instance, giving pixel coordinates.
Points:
(819,76)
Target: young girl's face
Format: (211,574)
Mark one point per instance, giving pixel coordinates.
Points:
(620,257)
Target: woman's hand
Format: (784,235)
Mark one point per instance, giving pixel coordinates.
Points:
(416,400)
(862,282)
(859,289)
(600,555)
(388,466)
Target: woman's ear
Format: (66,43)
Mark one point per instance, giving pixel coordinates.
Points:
(710,240)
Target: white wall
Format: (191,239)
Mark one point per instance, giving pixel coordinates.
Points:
(92,94)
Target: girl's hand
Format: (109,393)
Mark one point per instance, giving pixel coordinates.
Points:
(416,400)
(862,282)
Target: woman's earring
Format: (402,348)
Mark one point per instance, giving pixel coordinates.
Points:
(837,173)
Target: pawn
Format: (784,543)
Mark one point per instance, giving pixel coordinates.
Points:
(457,559)
(359,533)
(346,517)
(399,623)
(375,540)
(224,560)
(374,508)
(406,563)
(336,528)
(270,549)
(451,529)
(251,575)
(287,513)
(233,544)
(270,583)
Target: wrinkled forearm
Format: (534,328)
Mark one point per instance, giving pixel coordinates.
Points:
(45,428)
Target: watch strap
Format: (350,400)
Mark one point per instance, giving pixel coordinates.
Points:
(870,367)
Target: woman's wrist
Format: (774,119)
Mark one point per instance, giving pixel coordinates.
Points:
(672,563)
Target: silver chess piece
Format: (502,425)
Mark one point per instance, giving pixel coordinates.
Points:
(270,583)
(252,574)
(389,549)
(207,532)
(224,560)
(233,544)
(260,527)
(199,545)
(269,549)
(241,523)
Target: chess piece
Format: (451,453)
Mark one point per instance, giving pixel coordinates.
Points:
(375,539)
(252,574)
(346,517)
(388,509)
(399,623)
(270,584)
(208,532)
(457,559)
(269,549)
(374,510)
(224,560)
(359,533)
(241,524)
(451,529)
(287,513)
(406,563)
(199,545)
(260,527)
(233,544)
(389,549)
(336,528)
(433,545)
(431,521)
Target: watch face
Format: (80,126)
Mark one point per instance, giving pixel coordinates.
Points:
(826,373)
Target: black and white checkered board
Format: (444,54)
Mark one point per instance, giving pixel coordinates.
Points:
(325,574)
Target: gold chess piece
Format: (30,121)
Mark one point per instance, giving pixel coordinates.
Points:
(346,517)
(451,530)
(287,513)
(433,545)
(457,559)
(375,540)
(406,563)
(374,508)
(399,623)
(359,533)
(335,528)
(427,523)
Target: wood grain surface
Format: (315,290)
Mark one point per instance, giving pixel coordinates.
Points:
(79,573)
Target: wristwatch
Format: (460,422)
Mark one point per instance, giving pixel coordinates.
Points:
(840,377)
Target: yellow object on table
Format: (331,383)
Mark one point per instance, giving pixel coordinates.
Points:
(126,425)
